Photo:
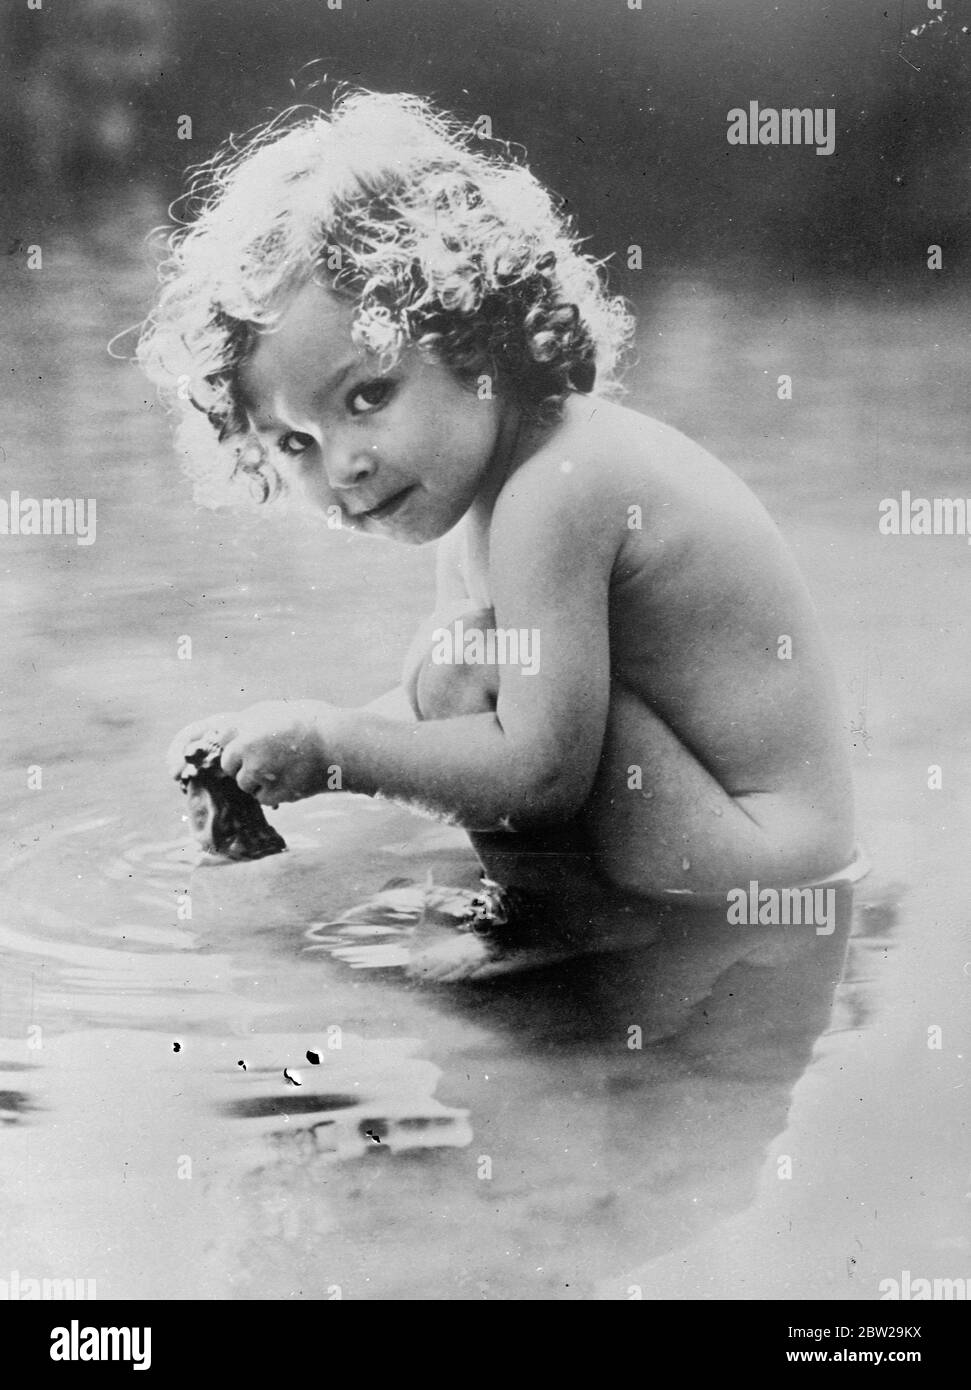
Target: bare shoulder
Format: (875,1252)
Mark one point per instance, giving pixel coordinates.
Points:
(578,472)
(603,459)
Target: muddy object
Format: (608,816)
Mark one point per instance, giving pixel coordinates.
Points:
(225,820)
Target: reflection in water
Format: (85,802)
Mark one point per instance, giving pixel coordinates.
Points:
(12,1106)
(359,1094)
(612,1122)
(584,1094)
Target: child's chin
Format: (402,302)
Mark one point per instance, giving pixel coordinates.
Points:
(410,533)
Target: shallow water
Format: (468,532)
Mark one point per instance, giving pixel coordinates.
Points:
(163,1128)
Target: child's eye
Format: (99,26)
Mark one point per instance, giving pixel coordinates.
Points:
(369,397)
(294,443)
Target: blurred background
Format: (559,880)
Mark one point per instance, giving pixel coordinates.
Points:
(623,111)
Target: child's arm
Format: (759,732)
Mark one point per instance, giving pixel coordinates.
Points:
(393,704)
(534,759)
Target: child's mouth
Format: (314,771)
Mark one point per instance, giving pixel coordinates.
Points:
(388,507)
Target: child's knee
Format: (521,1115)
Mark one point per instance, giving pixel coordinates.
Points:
(448,685)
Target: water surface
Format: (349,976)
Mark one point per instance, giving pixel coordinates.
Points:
(163,1128)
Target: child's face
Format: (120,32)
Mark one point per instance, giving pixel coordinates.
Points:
(403,454)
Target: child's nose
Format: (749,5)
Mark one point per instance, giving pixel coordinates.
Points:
(348,469)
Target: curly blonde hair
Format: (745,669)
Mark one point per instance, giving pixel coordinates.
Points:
(396,207)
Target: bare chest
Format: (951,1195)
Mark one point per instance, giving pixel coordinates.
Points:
(475,564)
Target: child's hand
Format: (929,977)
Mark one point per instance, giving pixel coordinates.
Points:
(275,750)
(199,731)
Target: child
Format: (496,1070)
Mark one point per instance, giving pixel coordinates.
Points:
(623,694)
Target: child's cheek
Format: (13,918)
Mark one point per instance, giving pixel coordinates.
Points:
(316,492)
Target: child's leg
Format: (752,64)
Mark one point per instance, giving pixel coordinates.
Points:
(658,821)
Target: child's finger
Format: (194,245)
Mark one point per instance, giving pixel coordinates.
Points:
(258,782)
(220,727)
(249,782)
(232,760)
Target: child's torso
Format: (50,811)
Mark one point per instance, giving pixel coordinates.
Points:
(710,621)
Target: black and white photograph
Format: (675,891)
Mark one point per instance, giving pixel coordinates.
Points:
(485,535)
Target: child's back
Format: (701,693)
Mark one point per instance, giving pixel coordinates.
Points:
(724,755)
